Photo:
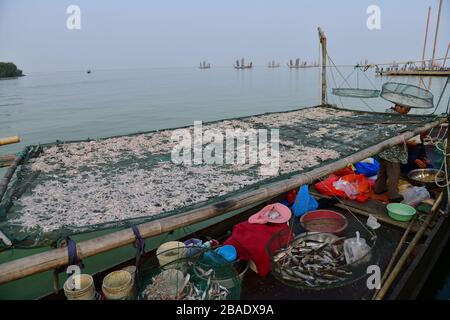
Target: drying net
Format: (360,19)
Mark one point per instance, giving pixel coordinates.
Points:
(204,275)
(68,188)
(407,95)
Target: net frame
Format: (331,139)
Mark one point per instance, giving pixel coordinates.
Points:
(397,93)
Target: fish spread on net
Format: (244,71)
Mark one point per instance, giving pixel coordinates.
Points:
(89,183)
(312,263)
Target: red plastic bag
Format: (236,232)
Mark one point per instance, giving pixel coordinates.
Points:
(362,184)
(326,187)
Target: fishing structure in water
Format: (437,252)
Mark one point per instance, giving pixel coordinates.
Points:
(242,65)
(428,67)
(204,65)
(273,64)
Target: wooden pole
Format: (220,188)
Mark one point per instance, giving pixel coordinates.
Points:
(436,34)
(395,254)
(446,56)
(323,42)
(54,258)
(393,275)
(426,38)
(9,140)
(5,161)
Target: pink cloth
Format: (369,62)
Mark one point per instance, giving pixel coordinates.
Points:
(250,241)
(273,213)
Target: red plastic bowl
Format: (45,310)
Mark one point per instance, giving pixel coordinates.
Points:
(324,221)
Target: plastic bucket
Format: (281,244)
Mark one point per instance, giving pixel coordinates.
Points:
(118,285)
(86,290)
(169,252)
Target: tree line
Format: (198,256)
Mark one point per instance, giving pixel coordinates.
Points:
(9,69)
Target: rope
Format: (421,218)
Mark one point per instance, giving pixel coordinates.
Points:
(139,244)
(334,81)
(337,69)
(440,97)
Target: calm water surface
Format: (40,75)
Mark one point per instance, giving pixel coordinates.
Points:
(44,107)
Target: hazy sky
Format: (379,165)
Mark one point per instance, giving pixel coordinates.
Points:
(134,34)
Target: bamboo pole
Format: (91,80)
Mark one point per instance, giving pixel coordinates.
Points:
(54,258)
(9,140)
(426,37)
(436,34)
(446,56)
(5,161)
(8,175)
(395,254)
(398,267)
(323,42)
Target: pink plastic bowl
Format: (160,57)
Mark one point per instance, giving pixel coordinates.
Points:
(324,221)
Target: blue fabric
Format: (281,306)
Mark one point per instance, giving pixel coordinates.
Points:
(286,203)
(367,169)
(304,202)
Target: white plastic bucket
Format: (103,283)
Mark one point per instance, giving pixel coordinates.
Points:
(86,290)
(170,251)
(118,285)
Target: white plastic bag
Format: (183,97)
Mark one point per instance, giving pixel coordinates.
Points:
(373,223)
(415,195)
(355,248)
(350,190)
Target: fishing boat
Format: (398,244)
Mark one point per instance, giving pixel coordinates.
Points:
(432,67)
(333,137)
(242,65)
(273,64)
(88,71)
(204,65)
(300,65)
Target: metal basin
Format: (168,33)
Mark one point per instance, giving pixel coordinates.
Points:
(426,177)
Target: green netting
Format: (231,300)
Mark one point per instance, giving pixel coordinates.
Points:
(68,188)
(407,95)
(203,276)
(355,92)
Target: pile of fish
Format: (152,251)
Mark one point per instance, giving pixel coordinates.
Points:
(172,284)
(312,262)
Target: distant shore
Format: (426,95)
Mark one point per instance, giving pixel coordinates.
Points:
(9,70)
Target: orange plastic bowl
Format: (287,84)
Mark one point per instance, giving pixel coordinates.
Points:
(324,221)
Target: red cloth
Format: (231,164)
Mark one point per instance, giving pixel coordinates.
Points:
(291,196)
(250,241)
(326,186)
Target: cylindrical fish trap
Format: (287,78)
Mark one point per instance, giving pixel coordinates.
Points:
(79,287)
(118,285)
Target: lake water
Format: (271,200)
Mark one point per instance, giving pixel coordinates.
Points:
(44,107)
